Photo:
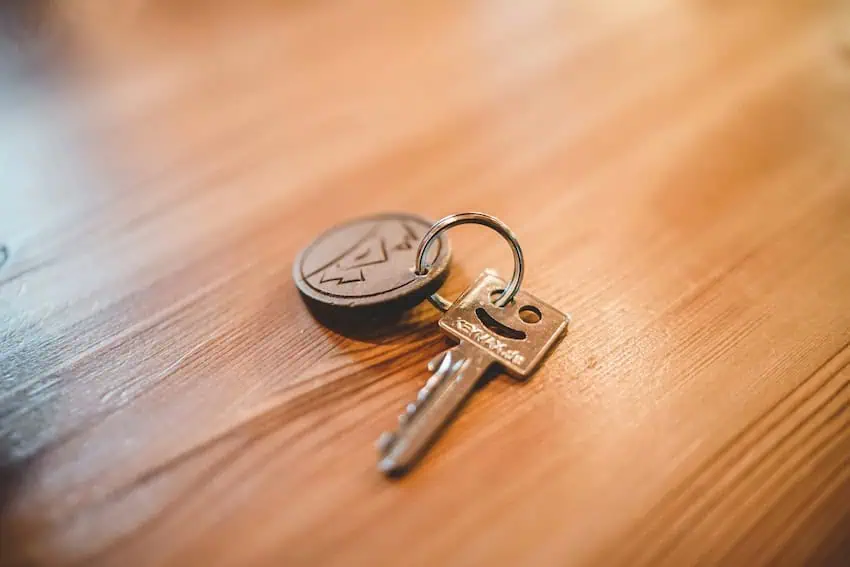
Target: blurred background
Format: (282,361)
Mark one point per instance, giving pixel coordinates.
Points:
(677,172)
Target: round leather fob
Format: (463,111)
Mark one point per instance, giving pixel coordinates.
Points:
(369,263)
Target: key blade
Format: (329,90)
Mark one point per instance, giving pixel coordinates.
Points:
(462,368)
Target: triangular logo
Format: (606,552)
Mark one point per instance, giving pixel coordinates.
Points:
(372,251)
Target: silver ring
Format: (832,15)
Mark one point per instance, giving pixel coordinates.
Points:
(472,218)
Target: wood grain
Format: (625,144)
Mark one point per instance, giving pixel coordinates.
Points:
(678,174)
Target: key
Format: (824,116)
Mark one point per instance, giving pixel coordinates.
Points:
(515,338)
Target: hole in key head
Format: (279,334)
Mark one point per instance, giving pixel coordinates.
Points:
(530,314)
(496,294)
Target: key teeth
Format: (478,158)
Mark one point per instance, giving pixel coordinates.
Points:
(437,361)
(441,365)
(457,366)
(390,467)
(385,441)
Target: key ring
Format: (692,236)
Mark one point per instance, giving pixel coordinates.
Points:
(445,223)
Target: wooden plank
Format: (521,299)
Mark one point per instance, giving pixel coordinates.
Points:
(677,174)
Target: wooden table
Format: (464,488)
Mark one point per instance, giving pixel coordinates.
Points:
(678,174)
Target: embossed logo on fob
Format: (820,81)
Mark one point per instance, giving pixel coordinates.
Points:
(385,240)
(370,261)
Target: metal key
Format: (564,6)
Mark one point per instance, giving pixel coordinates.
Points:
(515,337)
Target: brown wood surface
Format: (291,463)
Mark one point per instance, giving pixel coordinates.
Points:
(678,173)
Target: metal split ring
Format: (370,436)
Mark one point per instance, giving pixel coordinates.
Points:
(472,218)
